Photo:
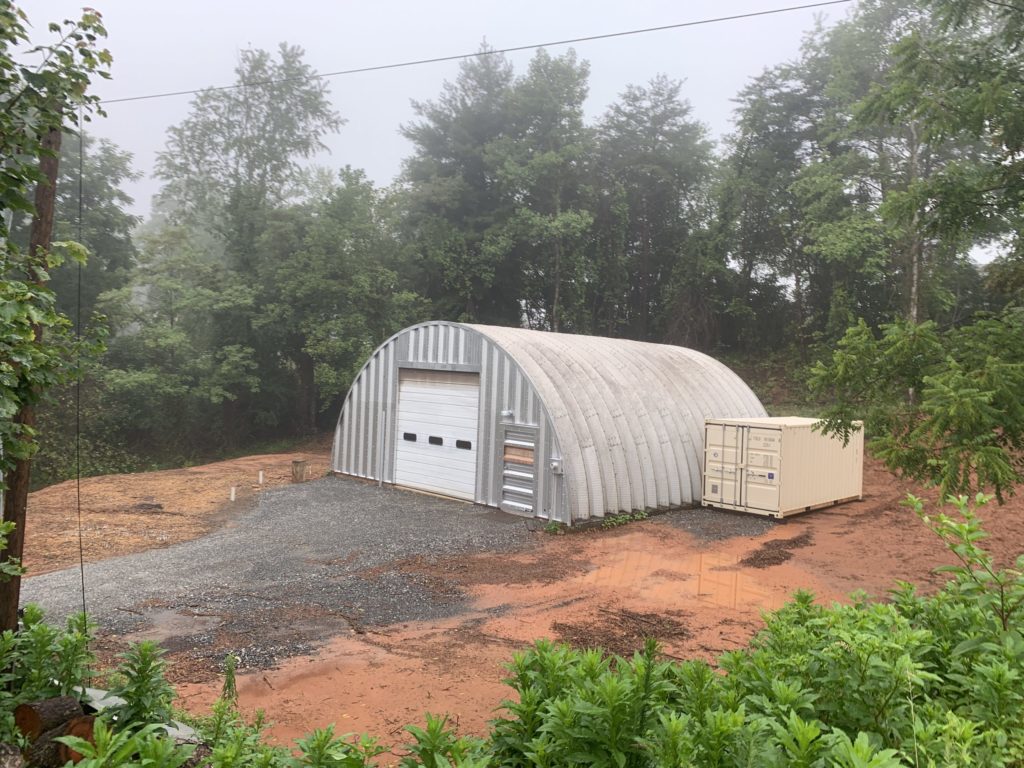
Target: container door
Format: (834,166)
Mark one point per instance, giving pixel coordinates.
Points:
(722,464)
(763,462)
(436,440)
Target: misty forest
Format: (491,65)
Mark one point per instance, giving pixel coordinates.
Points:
(852,249)
(862,218)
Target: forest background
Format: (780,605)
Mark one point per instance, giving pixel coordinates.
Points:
(836,223)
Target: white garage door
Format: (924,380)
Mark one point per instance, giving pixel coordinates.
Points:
(436,442)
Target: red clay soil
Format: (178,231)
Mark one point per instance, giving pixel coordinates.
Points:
(610,588)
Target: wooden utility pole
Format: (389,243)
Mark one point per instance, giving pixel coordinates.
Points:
(16,497)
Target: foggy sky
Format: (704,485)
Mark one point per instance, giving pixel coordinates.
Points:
(169,46)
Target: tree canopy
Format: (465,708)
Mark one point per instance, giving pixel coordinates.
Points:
(857,184)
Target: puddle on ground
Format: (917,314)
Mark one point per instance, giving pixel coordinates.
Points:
(712,578)
(166,623)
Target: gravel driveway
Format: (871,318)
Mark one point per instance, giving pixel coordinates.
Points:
(299,567)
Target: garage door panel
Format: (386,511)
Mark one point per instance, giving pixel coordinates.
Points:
(444,405)
(440,398)
(414,462)
(427,422)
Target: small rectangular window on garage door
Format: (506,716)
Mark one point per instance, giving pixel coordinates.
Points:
(410,436)
(435,440)
(464,445)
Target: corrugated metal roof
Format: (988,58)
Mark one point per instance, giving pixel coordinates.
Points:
(629,415)
(771,421)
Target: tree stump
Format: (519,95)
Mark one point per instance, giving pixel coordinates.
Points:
(10,756)
(43,752)
(36,717)
(82,727)
(299,469)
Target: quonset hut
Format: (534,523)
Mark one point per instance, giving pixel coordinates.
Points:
(548,425)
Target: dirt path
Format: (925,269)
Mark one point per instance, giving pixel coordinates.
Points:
(122,514)
(697,580)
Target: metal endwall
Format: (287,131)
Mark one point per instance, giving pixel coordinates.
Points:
(363,449)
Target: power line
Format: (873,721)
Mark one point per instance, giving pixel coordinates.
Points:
(78,358)
(477,54)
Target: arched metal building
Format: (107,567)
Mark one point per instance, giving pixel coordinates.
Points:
(551,425)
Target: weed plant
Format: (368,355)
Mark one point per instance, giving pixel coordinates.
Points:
(614,521)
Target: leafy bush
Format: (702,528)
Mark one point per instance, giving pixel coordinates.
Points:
(147,694)
(146,746)
(322,749)
(437,746)
(41,661)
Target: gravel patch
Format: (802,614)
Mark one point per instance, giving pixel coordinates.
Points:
(717,524)
(287,574)
(308,562)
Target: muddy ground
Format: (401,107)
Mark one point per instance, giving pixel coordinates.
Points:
(696,579)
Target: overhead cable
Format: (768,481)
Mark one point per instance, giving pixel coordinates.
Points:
(477,54)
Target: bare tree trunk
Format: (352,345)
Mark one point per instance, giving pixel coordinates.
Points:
(558,284)
(645,274)
(798,303)
(916,245)
(307,405)
(915,270)
(16,497)
(558,267)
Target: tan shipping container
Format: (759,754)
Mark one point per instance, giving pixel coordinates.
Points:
(779,466)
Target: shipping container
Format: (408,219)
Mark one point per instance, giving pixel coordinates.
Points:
(779,466)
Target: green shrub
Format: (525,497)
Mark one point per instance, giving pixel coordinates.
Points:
(437,746)
(147,694)
(322,749)
(41,661)
(146,747)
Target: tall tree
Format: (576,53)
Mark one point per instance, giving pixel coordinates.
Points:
(542,167)
(825,187)
(171,366)
(105,229)
(90,185)
(35,99)
(239,152)
(237,159)
(759,214)
(453,207)
(332,290)
(656,159)
(966,76)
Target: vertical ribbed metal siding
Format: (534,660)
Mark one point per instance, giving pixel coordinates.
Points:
(358,446)
(503,387)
